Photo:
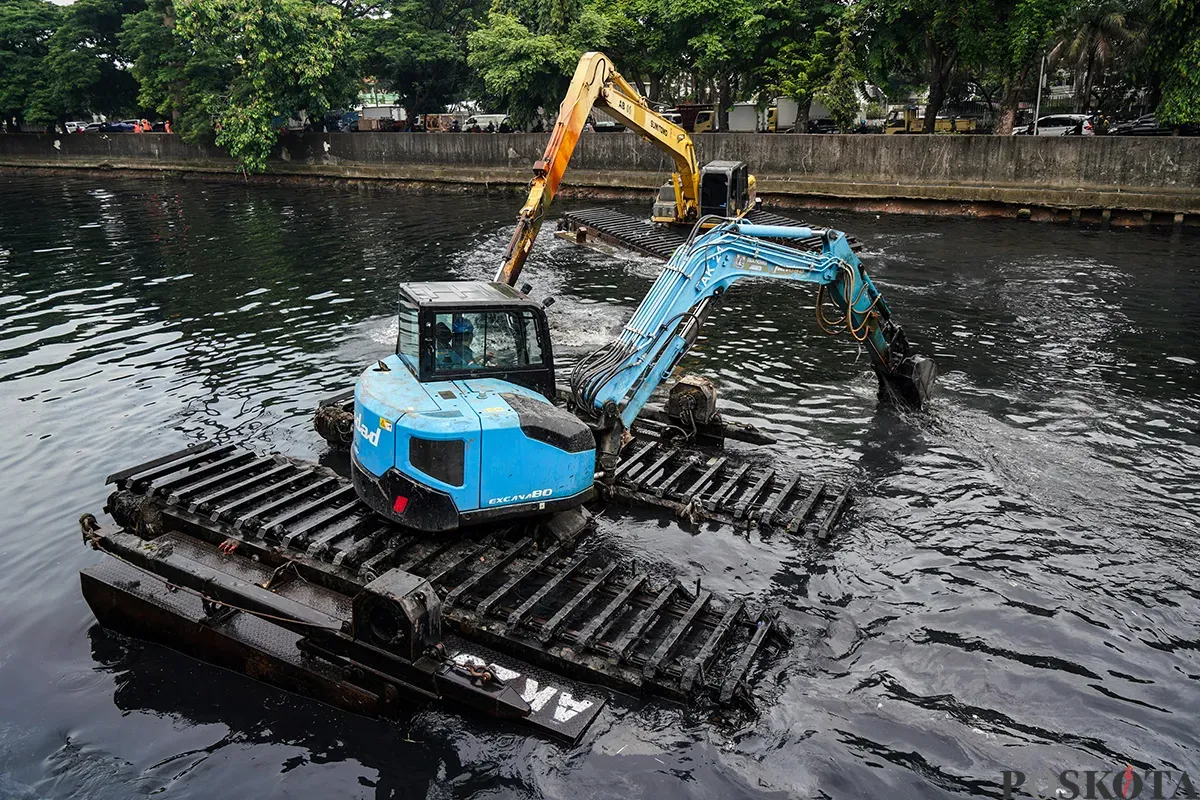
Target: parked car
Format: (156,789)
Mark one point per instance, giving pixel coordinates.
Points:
(1148,125)
(824,125)
(75,127)
(93,127)
(609,126)
(1060,125)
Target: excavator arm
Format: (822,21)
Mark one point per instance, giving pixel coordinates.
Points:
(597,83)
(613,384)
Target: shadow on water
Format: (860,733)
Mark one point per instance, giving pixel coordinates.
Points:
(1013,588)
(159,682)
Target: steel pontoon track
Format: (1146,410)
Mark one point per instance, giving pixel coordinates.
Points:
(727,486)
(659,241)
(548,602)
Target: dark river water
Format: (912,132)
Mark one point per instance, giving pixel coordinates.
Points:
(1014,588)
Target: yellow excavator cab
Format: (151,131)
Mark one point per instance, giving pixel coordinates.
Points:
(727,189)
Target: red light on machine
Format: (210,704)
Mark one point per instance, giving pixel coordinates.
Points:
(400,504)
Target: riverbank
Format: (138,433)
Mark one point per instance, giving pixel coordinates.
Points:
(1107,180)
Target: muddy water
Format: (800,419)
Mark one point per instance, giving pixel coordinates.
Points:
(1013,589)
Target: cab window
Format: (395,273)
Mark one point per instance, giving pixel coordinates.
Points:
(408,336)
(485,341)
(530,344)
(714,193)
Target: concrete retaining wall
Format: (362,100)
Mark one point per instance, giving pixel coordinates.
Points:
(948,174)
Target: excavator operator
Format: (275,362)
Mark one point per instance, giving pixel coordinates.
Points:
(454,345)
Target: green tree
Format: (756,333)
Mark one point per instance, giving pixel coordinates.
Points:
(84,71)
(527,50)
(1019,34)
(801,57)
(1174,59)
(934,38)
(839,93)
(26,27)
(419,50)
(727,42)
(170,80)
(278,59)
(800,68)
(644,44)
(1091,38)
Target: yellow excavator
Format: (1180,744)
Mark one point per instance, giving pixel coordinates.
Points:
(721,188)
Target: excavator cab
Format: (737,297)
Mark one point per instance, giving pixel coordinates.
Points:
(459,427)
(457,330)
(726,189)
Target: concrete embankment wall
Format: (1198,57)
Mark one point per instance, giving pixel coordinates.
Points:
(1133,179)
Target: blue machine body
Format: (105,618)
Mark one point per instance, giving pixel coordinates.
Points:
(439,454)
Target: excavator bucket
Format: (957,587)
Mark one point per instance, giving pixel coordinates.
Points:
(911,384)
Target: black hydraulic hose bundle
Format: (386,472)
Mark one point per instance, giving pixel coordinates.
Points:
(596,369)
(593,371)
(603,364)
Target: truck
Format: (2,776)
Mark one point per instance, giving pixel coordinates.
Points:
(744,117)
(911,119)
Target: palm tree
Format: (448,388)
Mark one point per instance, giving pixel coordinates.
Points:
(1091,38)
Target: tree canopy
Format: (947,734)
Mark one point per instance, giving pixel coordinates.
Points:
(526,51)
(26,28)
(1175,56)
(419,50)
(278,58)
(81,71)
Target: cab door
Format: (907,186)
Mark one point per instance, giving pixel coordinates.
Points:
(738,190)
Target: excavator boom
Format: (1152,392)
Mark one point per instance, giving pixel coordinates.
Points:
(597,83)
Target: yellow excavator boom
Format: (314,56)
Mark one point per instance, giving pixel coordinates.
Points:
(597,83)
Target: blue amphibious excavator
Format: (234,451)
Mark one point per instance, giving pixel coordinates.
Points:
(463,423)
